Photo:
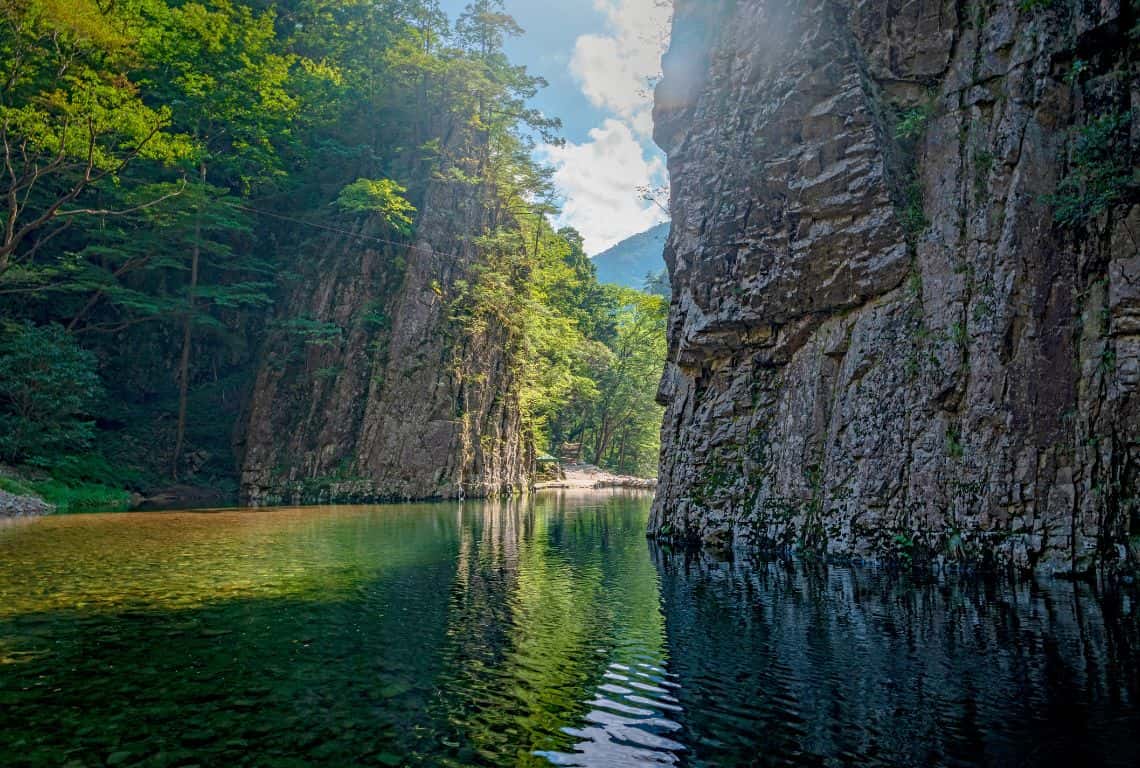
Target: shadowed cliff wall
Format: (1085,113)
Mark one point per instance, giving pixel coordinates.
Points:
(394,399)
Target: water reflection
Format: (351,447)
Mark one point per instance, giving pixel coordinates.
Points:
(535,633)
(557,591)
(630,721)
(783,665)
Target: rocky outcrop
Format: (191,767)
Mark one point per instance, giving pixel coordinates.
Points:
(906,279)
(12,505)
(370,390)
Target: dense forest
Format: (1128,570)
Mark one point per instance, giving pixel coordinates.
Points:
(164,165)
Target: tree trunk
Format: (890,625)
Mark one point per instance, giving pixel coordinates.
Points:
(603,444)
(187,336)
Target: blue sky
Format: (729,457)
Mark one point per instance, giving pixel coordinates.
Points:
(597,56)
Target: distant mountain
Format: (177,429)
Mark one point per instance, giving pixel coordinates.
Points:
(628,262)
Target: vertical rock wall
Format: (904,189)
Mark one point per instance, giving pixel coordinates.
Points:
(369,390)
(882,341)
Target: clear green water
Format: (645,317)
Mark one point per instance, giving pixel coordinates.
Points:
(544,632)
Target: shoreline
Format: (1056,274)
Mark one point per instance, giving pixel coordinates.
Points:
(588,477)
(16,506)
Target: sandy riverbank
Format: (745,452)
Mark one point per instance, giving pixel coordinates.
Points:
(587,476)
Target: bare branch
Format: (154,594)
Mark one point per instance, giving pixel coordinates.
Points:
(13,200)
(92,143)
(124,211)
(14,238)
(109,328)
(128,266)
(32,289)
(41,241)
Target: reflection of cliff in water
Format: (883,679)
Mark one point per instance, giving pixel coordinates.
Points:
(788,665)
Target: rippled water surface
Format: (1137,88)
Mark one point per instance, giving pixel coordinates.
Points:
(546,632)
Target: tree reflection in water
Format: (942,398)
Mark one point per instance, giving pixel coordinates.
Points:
(528,633)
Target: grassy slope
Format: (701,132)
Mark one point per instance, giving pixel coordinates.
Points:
(66,487)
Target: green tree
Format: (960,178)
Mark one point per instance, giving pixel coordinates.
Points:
(220,67)
(627,419)
(657,283)
(379,196)
(70,117)
(48,386)
(209,145)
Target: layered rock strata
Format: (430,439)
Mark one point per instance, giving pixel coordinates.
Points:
(904,256)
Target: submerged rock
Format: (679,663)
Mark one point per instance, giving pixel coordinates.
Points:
(900,324)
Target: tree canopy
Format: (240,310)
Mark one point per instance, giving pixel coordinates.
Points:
(164,160)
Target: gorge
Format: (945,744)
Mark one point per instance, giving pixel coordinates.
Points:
(905,312)
(305,290)
(305,252)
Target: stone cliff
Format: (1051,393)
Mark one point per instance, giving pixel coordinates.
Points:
(370,390)
(906,279)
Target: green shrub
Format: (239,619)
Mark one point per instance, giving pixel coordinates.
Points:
(903,545)
(912,123)
(48,386)
(382,196)
(913,214)
(94,469)
(954,448)
(1073,76)
(1099,172)
(70,497)
(959,335)
(309,331)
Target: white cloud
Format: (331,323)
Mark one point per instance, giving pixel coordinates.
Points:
(598,180)
(615,69)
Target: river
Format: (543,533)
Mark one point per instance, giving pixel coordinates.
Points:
(547,631)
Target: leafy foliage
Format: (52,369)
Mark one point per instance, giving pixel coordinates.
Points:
(912,123)
(70,496)
(174,162)
(591,355)
(382,196)
(1099,173)
(70,115)
(609,415)
(48,386)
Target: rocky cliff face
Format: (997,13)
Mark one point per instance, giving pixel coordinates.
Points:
(369,389)
(906,309)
